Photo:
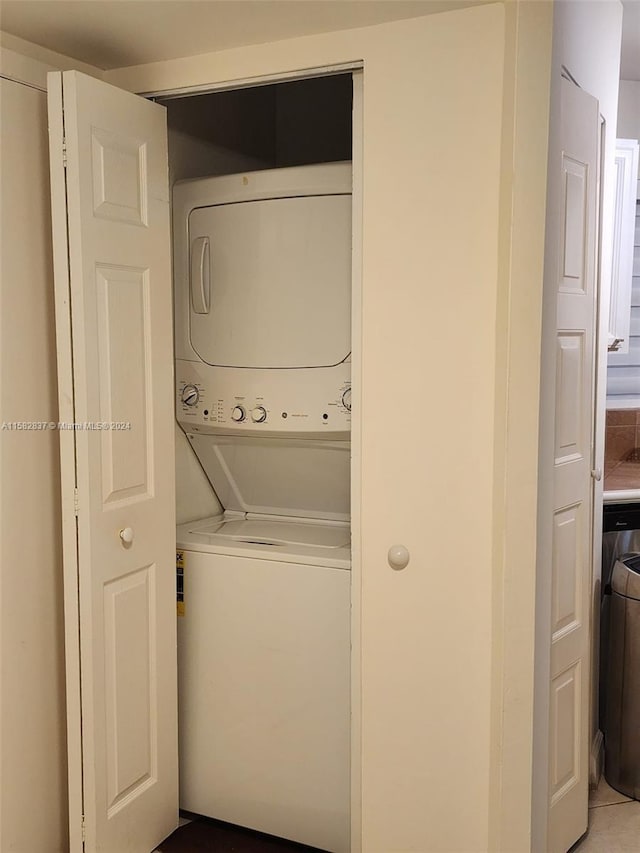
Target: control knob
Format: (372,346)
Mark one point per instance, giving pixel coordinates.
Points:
(259,415)
(346,399)
(238,414)
(190,395)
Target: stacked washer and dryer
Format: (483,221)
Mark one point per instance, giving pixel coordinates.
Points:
(262,305)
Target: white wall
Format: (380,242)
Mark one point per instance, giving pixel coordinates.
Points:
(623,371)
(629,110)
(586,41)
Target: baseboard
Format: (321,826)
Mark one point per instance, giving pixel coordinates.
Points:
(596,759)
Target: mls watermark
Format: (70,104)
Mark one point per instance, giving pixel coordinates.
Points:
(28,426)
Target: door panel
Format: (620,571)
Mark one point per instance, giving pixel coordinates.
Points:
(130,677)
(119,286)
(119,172)
(566,575)
(570,359)
(565,702)
(575,203)
(571,544)
(123,308)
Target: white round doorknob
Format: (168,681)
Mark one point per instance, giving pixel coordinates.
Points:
(126,535)
(398,557)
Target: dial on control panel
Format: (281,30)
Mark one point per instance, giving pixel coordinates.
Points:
(238,414)
(346,399)
(259,415)
(190,395)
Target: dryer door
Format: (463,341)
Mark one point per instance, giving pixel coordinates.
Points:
(271,282)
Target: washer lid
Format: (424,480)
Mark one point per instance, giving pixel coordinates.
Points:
(626,576)
(258,531)
(278,476)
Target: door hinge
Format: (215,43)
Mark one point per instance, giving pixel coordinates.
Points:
(76,502)
(64,153)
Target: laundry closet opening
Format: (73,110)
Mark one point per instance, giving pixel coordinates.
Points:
(261,184)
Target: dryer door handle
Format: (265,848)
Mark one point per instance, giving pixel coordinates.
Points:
(200,276)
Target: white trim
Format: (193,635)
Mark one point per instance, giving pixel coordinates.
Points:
(621,496)
(22,69)
(255,82)
(596,755)
(11,79)
(624,223)
(623,403)
(356,460)
(66,413)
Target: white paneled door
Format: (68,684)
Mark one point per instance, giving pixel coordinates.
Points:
(113,311)
(574,211)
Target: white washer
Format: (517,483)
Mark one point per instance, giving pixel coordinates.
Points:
(263,663)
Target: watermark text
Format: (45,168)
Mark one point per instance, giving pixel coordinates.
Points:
(30,426)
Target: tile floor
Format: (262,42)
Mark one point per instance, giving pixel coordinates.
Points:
(614,823)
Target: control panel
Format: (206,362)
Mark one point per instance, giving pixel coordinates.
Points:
(315,402)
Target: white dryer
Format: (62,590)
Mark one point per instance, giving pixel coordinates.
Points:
(263,282)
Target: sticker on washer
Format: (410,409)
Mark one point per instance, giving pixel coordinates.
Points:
(180,582)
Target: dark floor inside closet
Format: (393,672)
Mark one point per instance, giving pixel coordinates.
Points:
(203,835)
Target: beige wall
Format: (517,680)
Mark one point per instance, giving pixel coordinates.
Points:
(518,330)
(447,678)
(33,782)
(33,786)
(453,148)
(29,63)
